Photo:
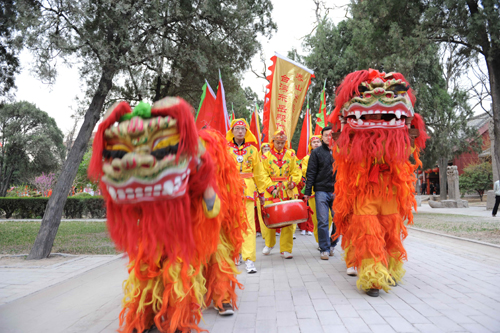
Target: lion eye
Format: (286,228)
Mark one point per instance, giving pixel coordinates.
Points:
(114,153)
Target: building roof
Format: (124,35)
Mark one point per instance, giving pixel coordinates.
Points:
(479,121)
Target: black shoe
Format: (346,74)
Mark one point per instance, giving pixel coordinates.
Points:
(372,292)
(227,309)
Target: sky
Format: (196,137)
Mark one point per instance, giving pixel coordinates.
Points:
(295,19)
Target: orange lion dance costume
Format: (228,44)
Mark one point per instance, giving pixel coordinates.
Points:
(375,178)
(155,169)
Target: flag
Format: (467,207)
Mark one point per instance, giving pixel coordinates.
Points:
(255,126)
(205,112)
(231,117)
(221,119)
(286,91)
(321,115)
(305,134)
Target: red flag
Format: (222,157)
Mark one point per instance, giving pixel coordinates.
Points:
(255,126)
(206,109)
(305,135)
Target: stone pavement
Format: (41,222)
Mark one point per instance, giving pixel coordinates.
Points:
(19,280)
(471,211)
(450,286)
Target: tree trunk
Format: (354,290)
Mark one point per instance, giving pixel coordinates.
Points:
(53,212)
(443,163)
(494,75)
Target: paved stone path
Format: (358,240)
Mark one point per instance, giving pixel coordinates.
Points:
(471,211)
(450,286)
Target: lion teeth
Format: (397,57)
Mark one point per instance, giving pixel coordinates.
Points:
(358,114)
(377,111)
(112,192)
(360,122)
(168,187)
(398,114)
(392,122)
(370,112)
(121,194)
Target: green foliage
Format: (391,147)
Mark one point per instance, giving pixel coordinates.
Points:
(81,179)
(477,177)
(31,143)
(76,207)
(9,61)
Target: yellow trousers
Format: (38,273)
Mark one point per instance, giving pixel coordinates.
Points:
(286,237)
(249,241)
(259,214)
(312,204)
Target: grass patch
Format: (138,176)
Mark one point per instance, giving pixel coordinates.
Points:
(71,238)
(485,229)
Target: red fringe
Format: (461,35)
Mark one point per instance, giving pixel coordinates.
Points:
(159,234)
(267,102)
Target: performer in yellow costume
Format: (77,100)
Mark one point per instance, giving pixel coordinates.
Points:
(280,165)
(314,142)
(242,147)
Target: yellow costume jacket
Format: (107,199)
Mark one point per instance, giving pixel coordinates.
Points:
(303,165)
(281,167)
(250,168)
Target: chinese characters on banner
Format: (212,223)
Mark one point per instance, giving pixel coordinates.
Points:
(287,90)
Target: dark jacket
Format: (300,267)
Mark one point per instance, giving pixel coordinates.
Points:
(320,171)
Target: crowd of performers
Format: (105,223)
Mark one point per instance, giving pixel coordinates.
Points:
(186,205)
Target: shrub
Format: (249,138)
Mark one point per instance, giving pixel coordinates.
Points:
(75,207)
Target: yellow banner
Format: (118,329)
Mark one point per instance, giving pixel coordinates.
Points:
(289,87)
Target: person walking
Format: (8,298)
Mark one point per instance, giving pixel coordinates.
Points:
(242,146)
(320,176)
(496,189)
(280,165)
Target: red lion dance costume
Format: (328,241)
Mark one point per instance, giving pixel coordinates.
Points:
(154,169)
(375,178)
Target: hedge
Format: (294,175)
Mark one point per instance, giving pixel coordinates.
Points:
(75,207)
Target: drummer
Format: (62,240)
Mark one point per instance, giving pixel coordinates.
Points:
(280,165)
(242,145)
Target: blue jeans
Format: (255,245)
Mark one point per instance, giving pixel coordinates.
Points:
(324,203)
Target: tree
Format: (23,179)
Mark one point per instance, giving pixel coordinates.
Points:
(123,40)
(81,179)
(9,62)
(401,43)
(471,26)
(31,143)
(476,177)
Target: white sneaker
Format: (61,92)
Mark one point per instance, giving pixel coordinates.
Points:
(303,232)
(250,267)
(294,237)
(238,260)
(277,234)
(259,234)
(286,255)
(351,271)
(267,250)
(310,233)
(332,249)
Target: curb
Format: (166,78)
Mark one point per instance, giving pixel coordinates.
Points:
(455,237)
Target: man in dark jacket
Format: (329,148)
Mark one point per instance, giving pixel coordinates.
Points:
(320,176)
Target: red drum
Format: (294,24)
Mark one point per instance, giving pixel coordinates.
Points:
(285,213)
